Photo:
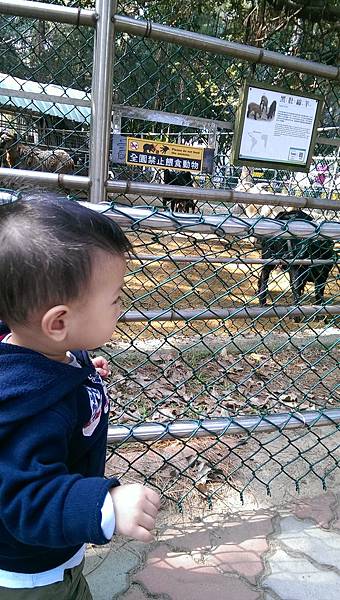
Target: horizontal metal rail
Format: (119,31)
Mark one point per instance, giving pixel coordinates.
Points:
(184,429)
(68,100)
(156,31)
(159,116)
(222,225)
(328,141)
(48,12)
(251,312)
(252,54)
(170,191)
(224,127)
(42,178)
(149,258)
(140,113)
(210,195)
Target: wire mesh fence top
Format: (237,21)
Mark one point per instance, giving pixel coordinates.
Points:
(200,353)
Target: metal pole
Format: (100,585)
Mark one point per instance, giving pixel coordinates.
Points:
(334,175)
(76,182)
(172,191)
(207,43)
(101,99)
(251,312)
(69,100)
(211,195)
(222,426)
(48,12)
(220,225)
(150,258)
(77,16)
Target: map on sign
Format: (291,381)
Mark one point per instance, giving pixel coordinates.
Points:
(163,155)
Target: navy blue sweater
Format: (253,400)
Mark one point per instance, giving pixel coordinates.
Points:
(53,433)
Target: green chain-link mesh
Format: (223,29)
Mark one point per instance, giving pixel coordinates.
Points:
(197,368)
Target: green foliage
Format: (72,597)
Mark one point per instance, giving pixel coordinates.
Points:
(47,52)
(167,77)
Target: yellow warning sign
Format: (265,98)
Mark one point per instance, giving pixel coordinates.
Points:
(163,155)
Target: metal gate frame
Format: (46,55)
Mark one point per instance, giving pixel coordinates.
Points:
(105,22)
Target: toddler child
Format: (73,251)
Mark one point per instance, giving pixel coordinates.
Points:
(61,274)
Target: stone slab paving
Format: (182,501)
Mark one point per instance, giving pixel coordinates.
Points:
(304,537)
(107,567)
(290,552)
(336,521)
(182,576)
(135,592)
(239,546)
(305,564)
(296,578)
(321,509)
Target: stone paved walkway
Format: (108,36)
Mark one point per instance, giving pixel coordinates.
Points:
(290,552)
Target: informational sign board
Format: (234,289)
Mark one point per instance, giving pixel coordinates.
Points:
(143,152)
(275,128)
(163,155)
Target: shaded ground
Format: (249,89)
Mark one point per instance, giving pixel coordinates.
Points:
(199,382)
(163,285)
(197,470)
(196,386)
(205,471)
(264,550)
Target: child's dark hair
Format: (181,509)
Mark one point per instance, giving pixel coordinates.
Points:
(47,247)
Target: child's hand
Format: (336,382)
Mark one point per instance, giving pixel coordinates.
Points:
(136,508)
(101,365)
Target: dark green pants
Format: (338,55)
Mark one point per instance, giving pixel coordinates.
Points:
(74,587)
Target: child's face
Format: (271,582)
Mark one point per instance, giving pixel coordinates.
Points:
(95,314)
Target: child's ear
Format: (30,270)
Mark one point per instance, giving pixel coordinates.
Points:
(54,323)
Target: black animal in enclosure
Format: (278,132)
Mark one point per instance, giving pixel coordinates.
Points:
(272,110)
(179,178)
(149,148)
(290,249)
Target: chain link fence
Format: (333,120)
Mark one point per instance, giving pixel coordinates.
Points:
(246,367)
(195,350)
(45,84)
(211,387)
(155,75)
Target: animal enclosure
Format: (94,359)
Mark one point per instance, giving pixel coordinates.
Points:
(210,390)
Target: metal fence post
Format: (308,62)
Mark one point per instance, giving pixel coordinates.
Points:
(101,98)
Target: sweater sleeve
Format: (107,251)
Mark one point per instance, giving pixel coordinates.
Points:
(41,502)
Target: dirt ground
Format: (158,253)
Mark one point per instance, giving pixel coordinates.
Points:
(201,382)
(224,385)
(160,284)
(202,472)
